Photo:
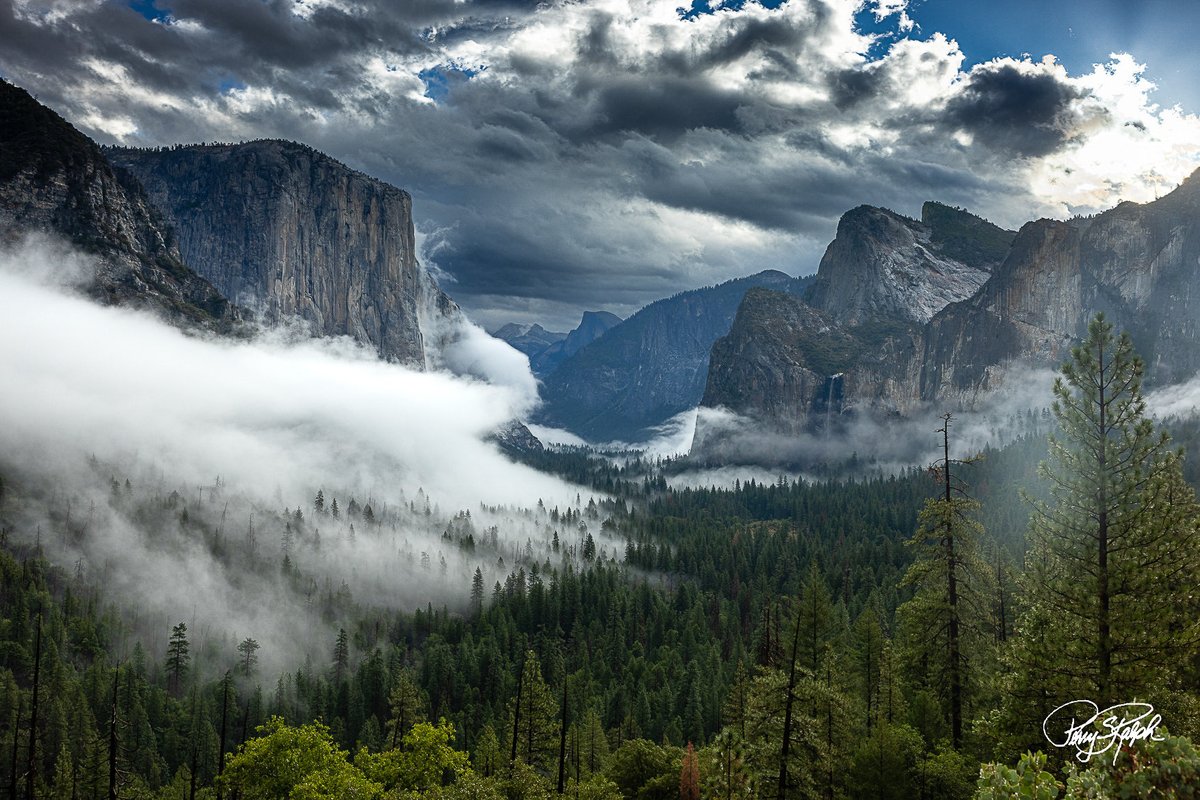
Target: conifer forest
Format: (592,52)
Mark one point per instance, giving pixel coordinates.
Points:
(863,634)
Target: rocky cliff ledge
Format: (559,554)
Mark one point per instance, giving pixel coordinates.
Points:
(289,231)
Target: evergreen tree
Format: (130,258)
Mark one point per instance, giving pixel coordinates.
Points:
(816,624)
(341,655)
(946,616)
(477,592)
(407,705)
(248,656)
(534,714)
(487,757)
(178,659)
(1114,556)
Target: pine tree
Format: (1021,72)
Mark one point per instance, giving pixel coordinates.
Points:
(816,623)
(178,658)
(319,502)
(477,593)
(1114,553)
(341,655)
(407,705)
(534,715)
(487,753)
(248,656)
(869,643)
(946,615)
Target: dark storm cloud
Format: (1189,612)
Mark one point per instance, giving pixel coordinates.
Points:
(1014,110)
(563,156)
(746,36)
(850,87)
(666,108)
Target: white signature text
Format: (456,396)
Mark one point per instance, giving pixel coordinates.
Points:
(1081,724)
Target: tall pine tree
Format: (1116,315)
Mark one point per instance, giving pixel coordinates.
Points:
(1114,557)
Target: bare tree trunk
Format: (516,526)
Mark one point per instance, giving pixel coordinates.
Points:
(31,773)
(562,740)
(787,717)
(112,738)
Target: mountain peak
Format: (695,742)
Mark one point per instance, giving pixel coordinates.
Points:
(885,266)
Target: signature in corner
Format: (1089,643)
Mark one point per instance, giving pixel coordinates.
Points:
(1093,732)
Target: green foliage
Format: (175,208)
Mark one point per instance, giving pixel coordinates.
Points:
(885,763)
(644,770)
(426,759)
(594,787)
(1029,780)
(966,237)
(1109,612)
(1166,768)
(294,762)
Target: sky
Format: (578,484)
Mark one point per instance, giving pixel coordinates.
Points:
(601,154)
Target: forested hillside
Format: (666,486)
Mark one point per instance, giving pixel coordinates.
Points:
(868,637)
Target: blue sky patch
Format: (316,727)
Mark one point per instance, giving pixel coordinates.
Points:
(440,79)
(150,11)
(701,7)
(886,31)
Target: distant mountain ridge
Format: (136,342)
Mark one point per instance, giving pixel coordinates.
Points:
(531,340)
(650,367)
(591,327)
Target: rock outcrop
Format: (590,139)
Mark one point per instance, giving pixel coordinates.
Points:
(650,367)
(290,232)
(885,266)
(55,180)
(795,365)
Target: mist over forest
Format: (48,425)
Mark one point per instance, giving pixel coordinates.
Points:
(608,400)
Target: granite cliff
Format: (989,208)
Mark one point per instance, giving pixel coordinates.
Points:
(288,231)
(852,348)
(54,180)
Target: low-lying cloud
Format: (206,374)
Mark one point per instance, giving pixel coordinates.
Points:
(222,441)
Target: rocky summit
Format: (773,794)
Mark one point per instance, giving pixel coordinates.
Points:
(885,266)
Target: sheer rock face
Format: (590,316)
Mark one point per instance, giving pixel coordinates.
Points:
(853,348)
(885,266)
(288,231)
(794,365)
(56,181)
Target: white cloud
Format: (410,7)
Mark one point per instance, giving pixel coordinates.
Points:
(93,393)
